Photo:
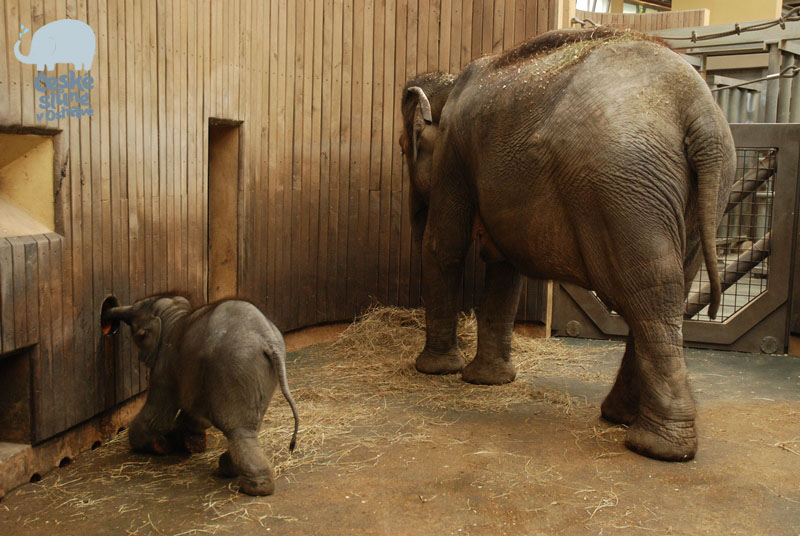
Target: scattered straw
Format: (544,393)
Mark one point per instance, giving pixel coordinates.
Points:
(353,398)
(346,386)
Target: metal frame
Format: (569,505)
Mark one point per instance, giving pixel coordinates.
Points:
(762,325)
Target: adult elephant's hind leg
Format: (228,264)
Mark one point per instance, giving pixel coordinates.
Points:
(621,405)
(444,248)
(492,364)
(665,425)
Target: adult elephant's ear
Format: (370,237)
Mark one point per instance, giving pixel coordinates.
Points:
(424,103)
(422,116)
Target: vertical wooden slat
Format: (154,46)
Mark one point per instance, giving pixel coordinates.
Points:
(28,71)
(17,264)
(387,151)
(273,144)
(13,112)
(326,182)
(315,236)
(445,30)
(304,153)
(336,132)
(354,248)
(42,367)
(408,63)
(285,178)
(7,323)
(59,352)
(7,36)
(373,263)
(344,161)
(255,210)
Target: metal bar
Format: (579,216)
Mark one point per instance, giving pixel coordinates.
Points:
(734,105)
(724,102)
(794,105)
(745,115)
(734,271)
(773,85)
(785,89)
(748,184)
(732,82)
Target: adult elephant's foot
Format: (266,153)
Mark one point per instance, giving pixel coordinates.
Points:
(226,468)
(674,442)
(262,485)
(430,362)
(619,407)
(489,371)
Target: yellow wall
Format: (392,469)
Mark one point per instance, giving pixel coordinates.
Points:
(730,11)
(26,184)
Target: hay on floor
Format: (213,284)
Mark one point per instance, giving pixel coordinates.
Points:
(371,366)
(356,397)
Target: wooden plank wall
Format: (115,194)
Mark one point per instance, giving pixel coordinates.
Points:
(325,193)
(322,207)
(649,22)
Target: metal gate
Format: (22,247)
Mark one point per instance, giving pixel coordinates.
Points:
(755,245)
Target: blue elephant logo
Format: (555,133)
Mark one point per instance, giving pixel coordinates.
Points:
(61,41)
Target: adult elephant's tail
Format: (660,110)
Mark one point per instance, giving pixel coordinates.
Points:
(712,156)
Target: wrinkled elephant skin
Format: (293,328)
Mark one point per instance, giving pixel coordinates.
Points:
(593,157)
(216,365)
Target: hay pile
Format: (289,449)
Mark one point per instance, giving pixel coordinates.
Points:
(351,384)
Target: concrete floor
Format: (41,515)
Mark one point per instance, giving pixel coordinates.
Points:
(532,469)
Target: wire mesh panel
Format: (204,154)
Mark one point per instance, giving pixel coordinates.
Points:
(743,239)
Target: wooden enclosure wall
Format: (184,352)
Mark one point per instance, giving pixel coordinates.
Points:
(322,194)
(324,222)
(649,22)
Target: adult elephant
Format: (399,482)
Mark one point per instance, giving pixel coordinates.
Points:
(595,157)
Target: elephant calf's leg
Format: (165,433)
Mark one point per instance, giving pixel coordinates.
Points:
(189,434)
(249,462)
(149,430)
(621,406)
(492,364)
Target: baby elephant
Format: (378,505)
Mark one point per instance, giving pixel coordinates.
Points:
(215,365)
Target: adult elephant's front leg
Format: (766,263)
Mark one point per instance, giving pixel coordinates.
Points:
(444,248)
(492,364)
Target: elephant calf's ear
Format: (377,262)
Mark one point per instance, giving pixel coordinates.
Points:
(148,339)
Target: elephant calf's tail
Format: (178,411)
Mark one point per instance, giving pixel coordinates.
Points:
(712,156)
(279,362)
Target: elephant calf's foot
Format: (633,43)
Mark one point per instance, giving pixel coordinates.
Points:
(195,442)
(226,468)
(184,441)
(675,442)
(430,362)
(262,485)
(619,409)
(489,372)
